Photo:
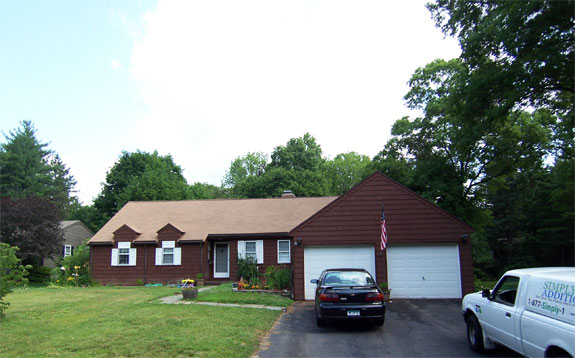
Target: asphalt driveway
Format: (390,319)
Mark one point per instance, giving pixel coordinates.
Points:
(413,328)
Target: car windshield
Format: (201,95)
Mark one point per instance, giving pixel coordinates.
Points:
(348,278)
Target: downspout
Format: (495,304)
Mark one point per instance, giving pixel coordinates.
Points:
(92,261)
(201,258)
(145,263)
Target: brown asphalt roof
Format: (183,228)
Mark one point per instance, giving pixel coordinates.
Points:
(200,218)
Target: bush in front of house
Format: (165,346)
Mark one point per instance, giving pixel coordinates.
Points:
(39,274)
(74,270)
(278,278)
(248,270)
(12,273)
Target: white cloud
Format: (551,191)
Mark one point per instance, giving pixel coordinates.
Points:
(223,78)
(115,65)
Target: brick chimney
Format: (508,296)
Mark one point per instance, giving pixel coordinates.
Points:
(288,194)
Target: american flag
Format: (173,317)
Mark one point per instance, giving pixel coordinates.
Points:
(383,231)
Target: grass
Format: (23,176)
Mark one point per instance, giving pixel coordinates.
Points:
(224,294)
(125,322)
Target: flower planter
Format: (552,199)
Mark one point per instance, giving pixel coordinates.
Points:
(190,293)
(200,282)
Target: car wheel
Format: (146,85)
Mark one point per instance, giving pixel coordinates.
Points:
(474,334)
(379,321)
(320,322)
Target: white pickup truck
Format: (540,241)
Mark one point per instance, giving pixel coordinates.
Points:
(531,311)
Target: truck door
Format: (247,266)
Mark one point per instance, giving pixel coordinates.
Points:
(499,312)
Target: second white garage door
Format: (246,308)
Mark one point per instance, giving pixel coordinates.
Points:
(424,271)
(319,258)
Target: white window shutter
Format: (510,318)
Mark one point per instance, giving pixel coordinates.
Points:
(132,260)
(260,251)
(114,257)
(177,256)
(159,253)
(241,249)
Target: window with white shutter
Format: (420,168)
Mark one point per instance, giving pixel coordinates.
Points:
(253,249)
(124,255)
(168,254)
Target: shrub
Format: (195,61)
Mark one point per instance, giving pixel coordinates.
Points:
(40,274)
(74,269)
(278,278)
(12,274)
(248,269)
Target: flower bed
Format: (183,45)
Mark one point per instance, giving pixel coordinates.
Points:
(240,287)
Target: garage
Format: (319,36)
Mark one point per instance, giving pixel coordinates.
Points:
(428,252)
(426,271)
(319,258)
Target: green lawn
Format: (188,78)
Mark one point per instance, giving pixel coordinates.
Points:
(125,322)
(224,294)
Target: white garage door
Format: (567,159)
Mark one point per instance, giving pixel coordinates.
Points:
(319,258)
(424,271)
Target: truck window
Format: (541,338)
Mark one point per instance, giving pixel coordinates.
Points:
(506,290)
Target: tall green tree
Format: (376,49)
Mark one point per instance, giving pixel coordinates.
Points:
(528,43)
(29,168)
(346,170)
(35,189)
(141,176)
(519,54)
(251,164)
(298,166)
(207,191)
(453,158)
(298,154)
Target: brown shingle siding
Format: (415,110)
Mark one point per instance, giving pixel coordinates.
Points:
(355,218)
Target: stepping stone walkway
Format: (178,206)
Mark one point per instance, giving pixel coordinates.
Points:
(178,299)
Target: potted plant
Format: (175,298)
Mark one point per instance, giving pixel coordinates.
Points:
(189,289)
(200,279)
(189,293)
(386,291)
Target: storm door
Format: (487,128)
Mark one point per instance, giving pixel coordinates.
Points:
(221,260)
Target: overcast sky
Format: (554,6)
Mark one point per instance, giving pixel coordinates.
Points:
(208,81)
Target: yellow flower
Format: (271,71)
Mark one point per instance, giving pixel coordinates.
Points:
(76,267)
(70,278)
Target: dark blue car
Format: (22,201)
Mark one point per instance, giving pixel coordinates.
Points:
(348,294)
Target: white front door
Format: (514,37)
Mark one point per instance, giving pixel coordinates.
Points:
(426,271)
(221,260)
(319,258)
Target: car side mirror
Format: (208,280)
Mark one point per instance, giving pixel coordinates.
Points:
(314,281)
(486,294)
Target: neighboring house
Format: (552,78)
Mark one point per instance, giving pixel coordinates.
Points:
(75,233)
(428,253)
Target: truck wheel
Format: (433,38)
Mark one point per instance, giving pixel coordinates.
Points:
(474,335)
